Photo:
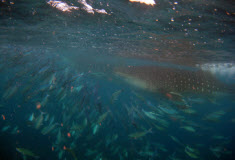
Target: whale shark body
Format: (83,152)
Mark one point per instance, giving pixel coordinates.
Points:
(166,80)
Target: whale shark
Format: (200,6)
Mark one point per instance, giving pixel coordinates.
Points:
(172,82)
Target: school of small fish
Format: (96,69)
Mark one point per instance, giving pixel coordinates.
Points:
(82,120)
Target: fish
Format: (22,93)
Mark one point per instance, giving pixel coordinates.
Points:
(175,96)
(31,118)
(139,96)
(59,137)
(163,122)
(167,110)
(45,100)
(161,147)
(219,150)
(197,100)
(191,152)
(47,117)
(159,127)
(60,154)
(115,95)
(90,152)
(102,117)
(219,137)
(148,153)
(76,127)
(95,129)
(14,130)
(10,92)
(171,82)
(139,134)
(26,152)
(151,115)
(176,140)
(49,128)
(5,128)
(110,139)
(172,157)
(189,111)
(72,152)
(214,116)
(39,120)
(78,89)
(43,69)
(188,128)
(99,107)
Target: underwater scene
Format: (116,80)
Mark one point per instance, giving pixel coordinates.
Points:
(117,79)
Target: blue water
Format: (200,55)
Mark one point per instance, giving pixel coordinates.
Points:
(62,98)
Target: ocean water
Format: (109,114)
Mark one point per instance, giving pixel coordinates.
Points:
(117,80)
